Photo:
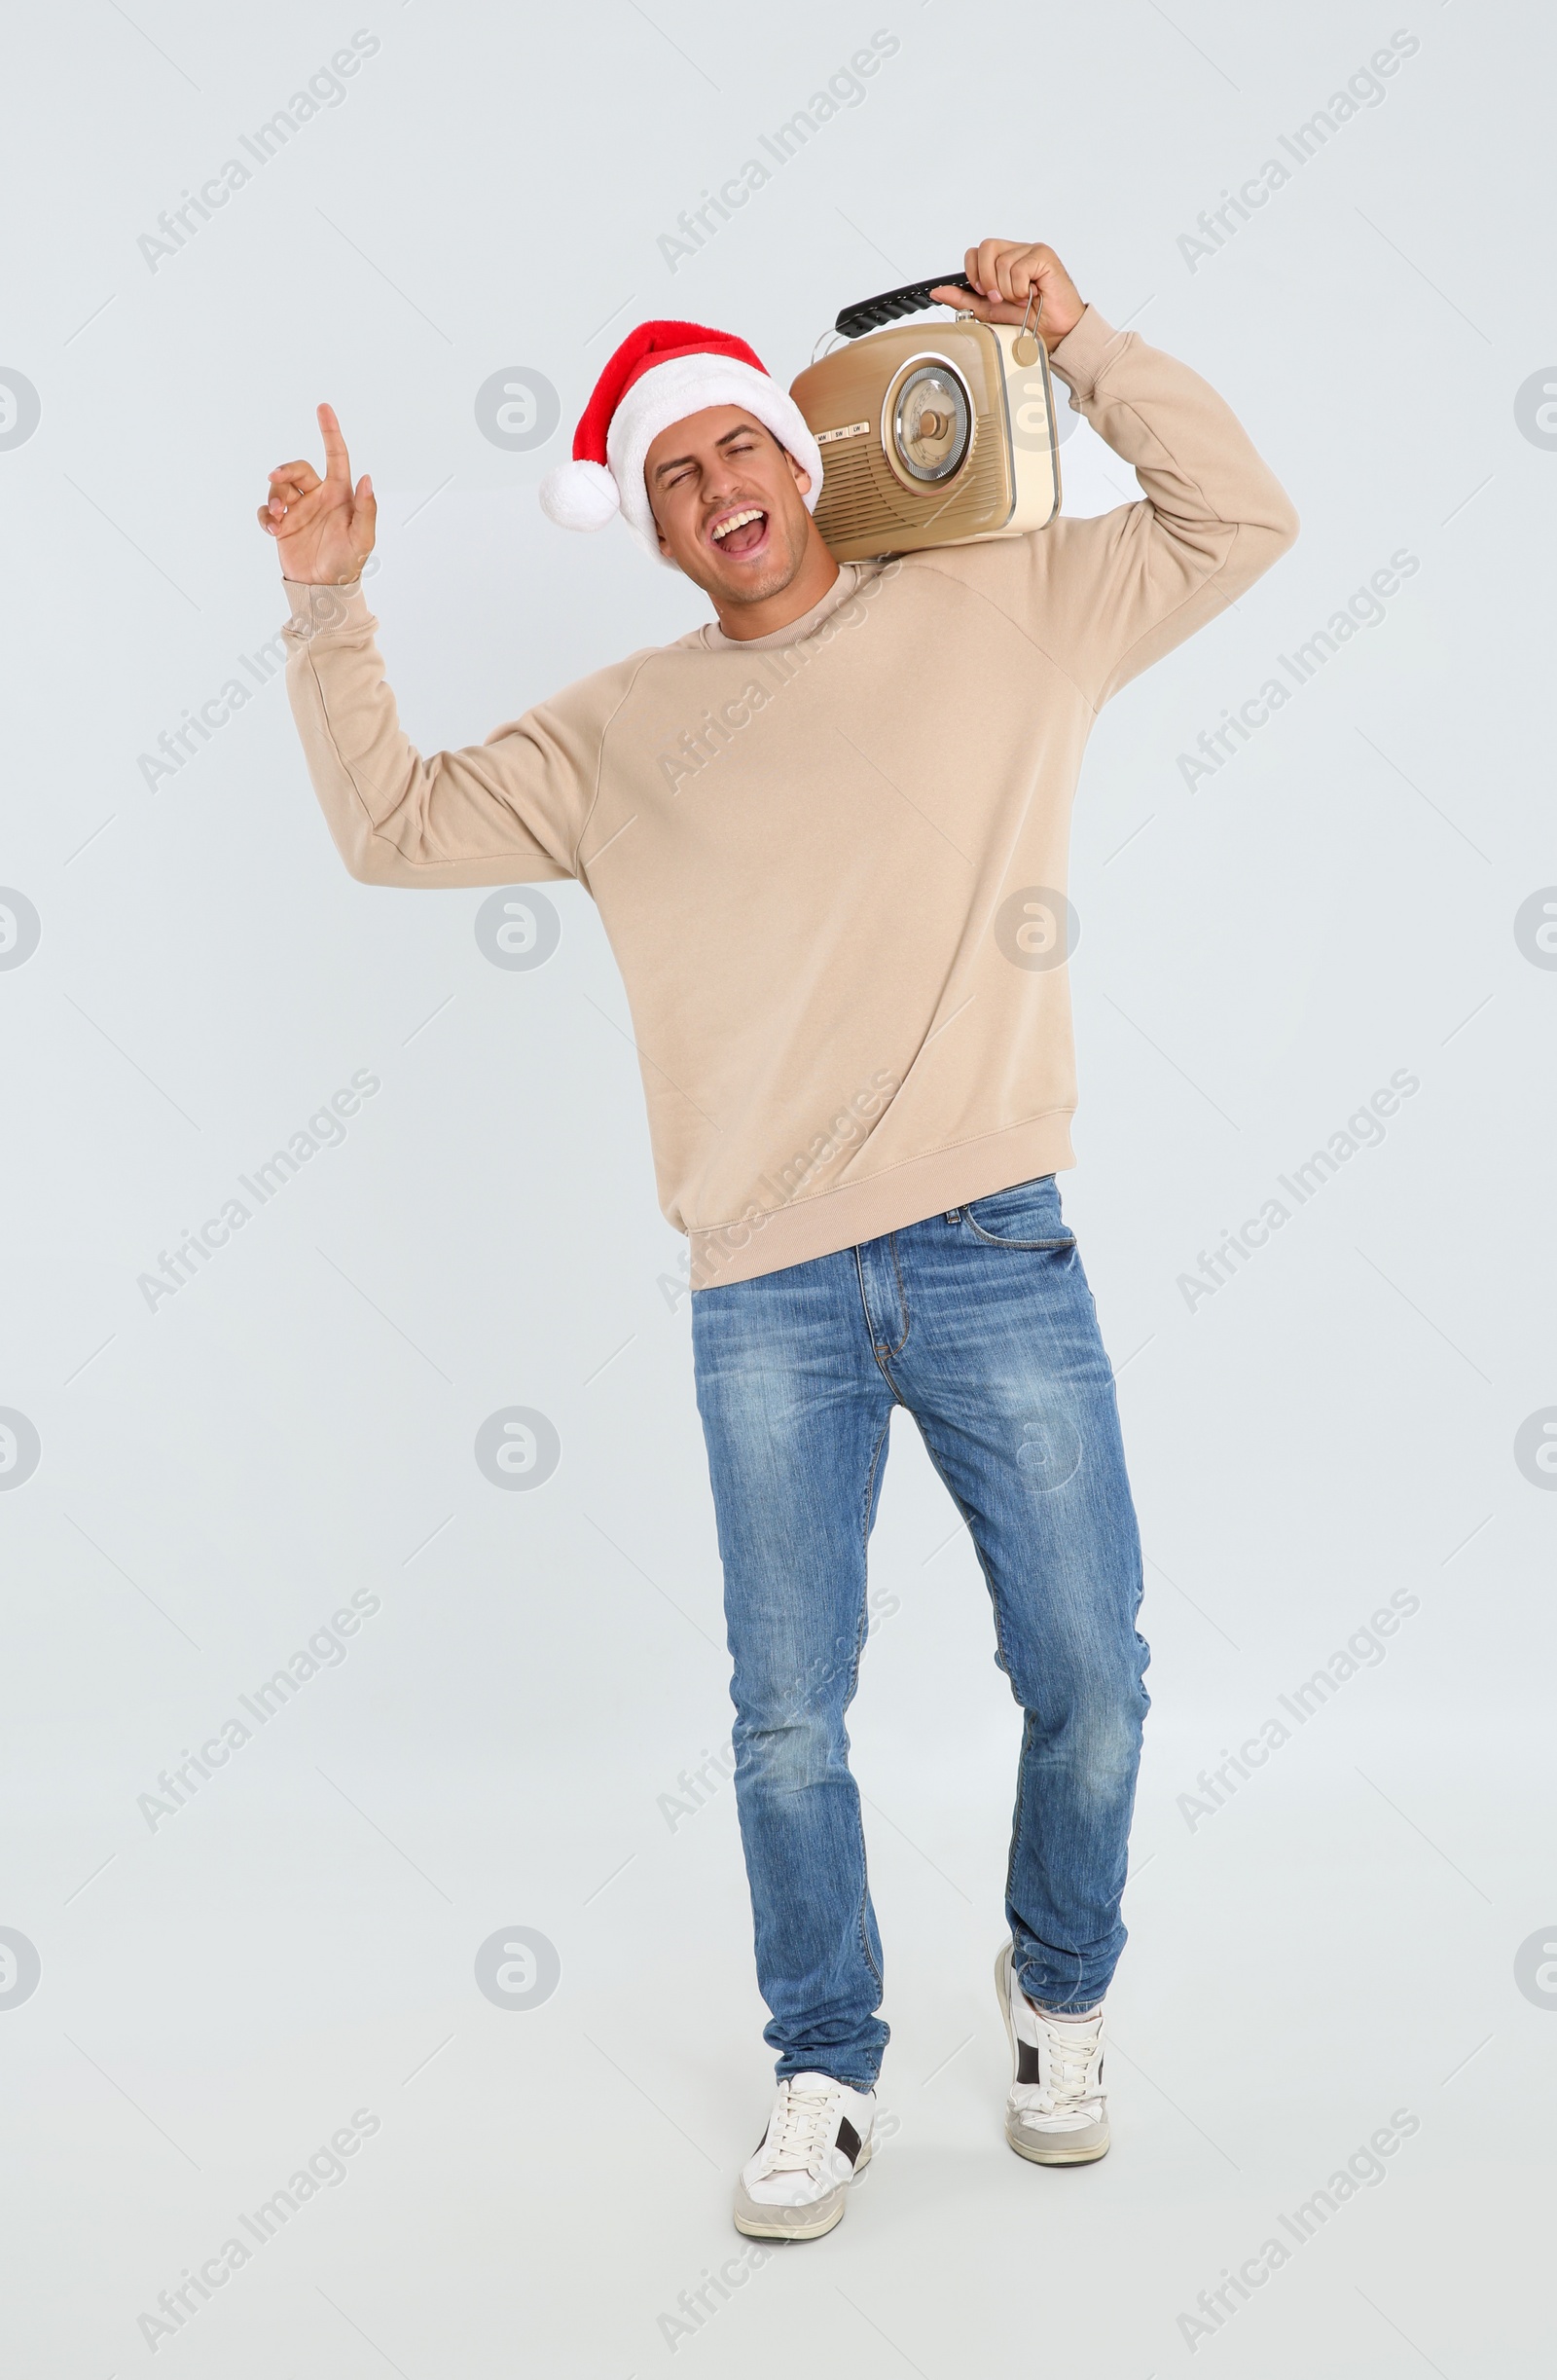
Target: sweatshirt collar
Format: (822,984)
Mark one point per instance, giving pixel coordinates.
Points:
(715,640)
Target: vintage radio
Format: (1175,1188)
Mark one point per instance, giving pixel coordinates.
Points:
(937,433)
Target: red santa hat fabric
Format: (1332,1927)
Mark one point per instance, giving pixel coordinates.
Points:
(662,372)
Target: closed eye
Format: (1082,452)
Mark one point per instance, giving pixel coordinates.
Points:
(744,444)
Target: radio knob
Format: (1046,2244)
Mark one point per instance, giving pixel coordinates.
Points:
(931,423)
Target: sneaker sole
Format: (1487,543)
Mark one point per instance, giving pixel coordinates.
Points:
(1024,2148)
(758,2223)
(1055,2156)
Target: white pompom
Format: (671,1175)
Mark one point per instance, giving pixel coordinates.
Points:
(579,496)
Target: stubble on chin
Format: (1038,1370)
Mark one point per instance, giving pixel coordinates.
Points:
(740,589)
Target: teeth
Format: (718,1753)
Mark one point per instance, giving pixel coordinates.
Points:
(737,520)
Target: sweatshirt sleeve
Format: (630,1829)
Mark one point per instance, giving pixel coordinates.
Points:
(1105,598)
(511,810)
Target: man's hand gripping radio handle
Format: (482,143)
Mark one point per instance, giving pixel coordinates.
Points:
(1007,276)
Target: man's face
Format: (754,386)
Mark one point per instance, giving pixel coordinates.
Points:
(727,502)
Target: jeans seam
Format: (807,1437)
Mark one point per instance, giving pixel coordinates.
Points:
(864,1518)
(1020,1797)
(860,1635)
(902,1295)
(870,1323)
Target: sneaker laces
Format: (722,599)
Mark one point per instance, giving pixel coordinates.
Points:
(797,2138)
(1072,2055)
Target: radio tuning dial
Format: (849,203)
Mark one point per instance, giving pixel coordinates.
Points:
(931,423)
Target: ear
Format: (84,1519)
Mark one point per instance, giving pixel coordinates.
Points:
(802,475)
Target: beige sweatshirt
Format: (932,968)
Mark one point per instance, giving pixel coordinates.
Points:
(831,862)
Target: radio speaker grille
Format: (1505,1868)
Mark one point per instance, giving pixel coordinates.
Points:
(864,507)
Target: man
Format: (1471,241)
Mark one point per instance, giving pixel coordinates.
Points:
(826,834)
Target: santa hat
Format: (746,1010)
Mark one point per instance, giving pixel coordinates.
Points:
(662,372)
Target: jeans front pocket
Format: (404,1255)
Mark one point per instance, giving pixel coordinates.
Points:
(1026,1216)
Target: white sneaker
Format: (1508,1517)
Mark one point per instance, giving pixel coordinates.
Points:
(818,2139)
(1055,2114)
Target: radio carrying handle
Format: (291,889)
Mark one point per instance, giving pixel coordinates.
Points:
(870,313)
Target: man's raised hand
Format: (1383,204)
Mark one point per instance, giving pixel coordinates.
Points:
(323,527)
(1003,273)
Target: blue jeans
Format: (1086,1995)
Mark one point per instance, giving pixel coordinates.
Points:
(981,1322)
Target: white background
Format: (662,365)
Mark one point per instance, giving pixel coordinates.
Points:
(1335,1425)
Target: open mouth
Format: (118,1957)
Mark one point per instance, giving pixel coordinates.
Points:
(740,532)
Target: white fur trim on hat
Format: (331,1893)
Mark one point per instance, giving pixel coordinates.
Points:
(686,384)
(579,496)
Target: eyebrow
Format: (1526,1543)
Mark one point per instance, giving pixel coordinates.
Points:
(675,463)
